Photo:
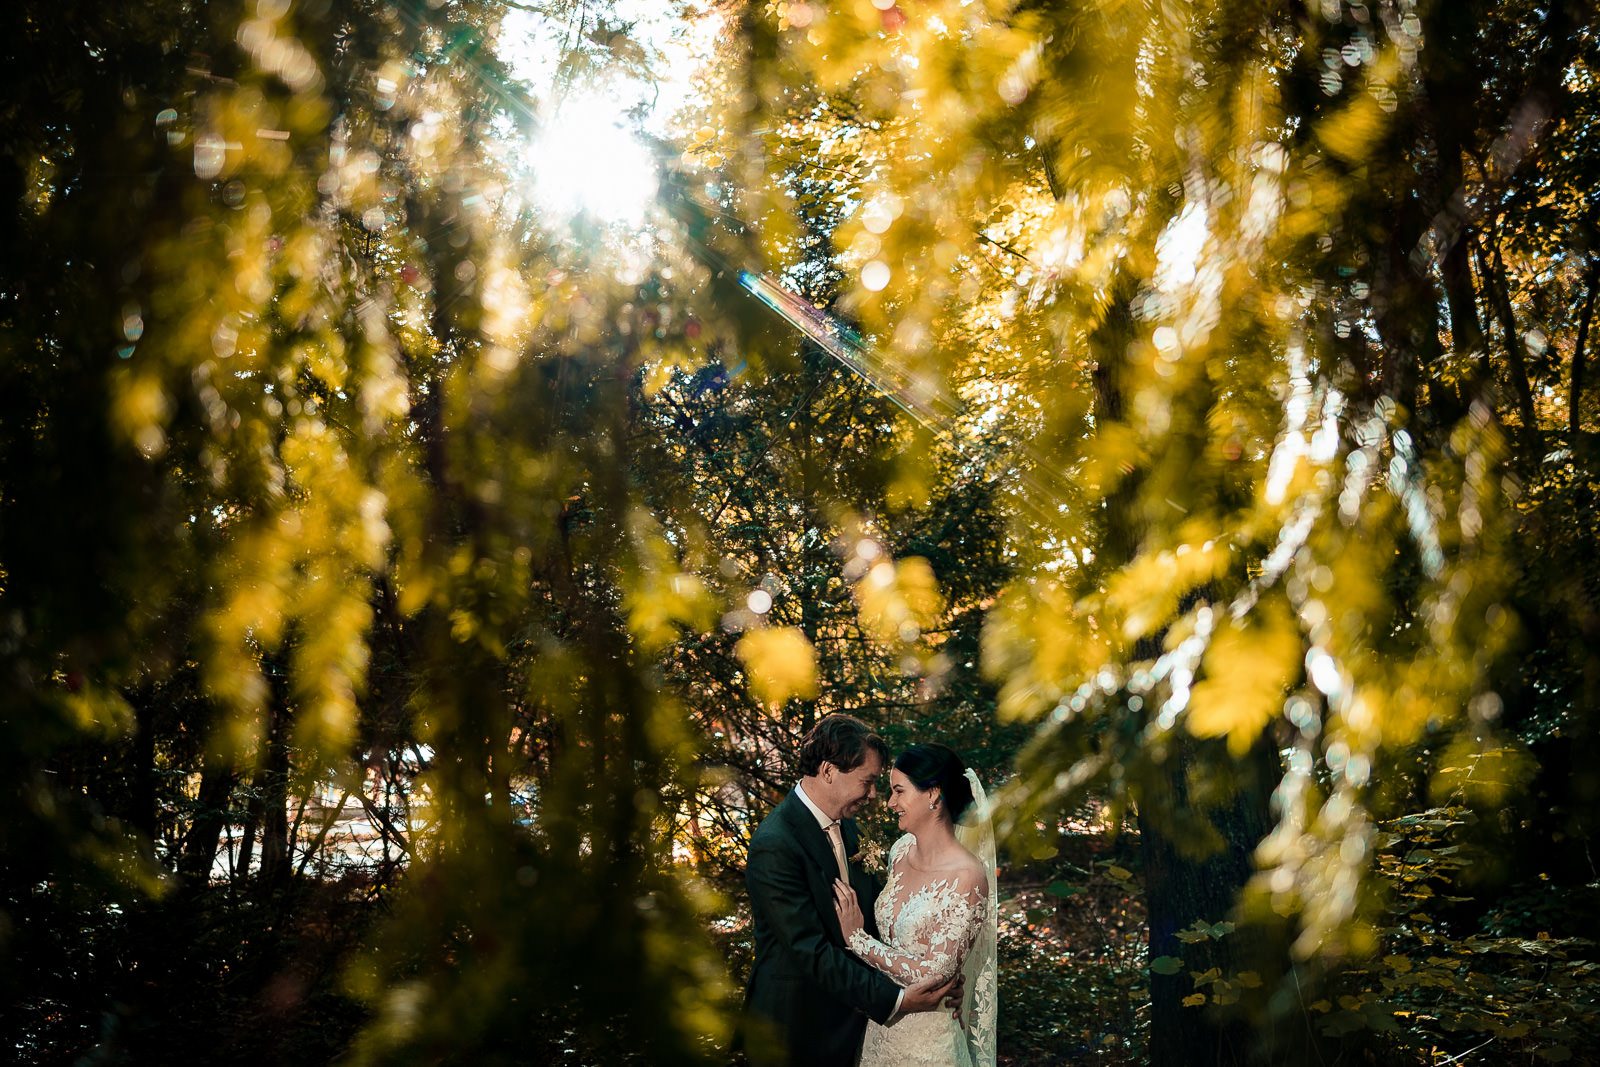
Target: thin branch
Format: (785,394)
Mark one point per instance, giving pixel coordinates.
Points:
(322,835)
(1003,246)
(384,823)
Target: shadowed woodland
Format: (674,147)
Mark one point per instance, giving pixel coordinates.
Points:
(412,595)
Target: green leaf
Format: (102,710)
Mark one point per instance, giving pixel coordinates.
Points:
(1166,965)
(1061,889)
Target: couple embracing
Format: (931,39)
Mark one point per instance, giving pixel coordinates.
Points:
(850,972)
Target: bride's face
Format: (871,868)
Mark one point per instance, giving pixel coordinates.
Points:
(909,802)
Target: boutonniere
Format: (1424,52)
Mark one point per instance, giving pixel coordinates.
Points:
(869,854)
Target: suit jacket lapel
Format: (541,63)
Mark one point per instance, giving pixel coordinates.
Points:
(810,836)
(814,843)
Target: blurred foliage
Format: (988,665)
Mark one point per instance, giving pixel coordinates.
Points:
(1220,427)
(315,484)
(1279,311)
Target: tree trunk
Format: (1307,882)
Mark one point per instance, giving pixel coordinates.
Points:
(1492,268)
(1186,879)
(142,804)
(1180,885)
(1451,74)
(1591,281)
(809,520)
(210,819)
(247,833)
(1405,307)
(1183,887)
(272,784)
(1465,329)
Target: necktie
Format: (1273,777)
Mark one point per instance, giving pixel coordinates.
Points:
(836,839)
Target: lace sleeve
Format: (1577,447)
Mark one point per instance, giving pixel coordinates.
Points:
(944,928)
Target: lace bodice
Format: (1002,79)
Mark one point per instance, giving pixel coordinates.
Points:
(928,920)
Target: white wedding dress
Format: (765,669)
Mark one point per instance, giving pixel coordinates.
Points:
(934,925)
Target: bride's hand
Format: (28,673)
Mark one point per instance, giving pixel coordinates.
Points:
(847,908)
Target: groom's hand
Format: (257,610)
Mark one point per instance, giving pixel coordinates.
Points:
(931,993)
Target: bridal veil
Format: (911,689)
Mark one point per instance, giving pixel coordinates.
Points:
(979,1002)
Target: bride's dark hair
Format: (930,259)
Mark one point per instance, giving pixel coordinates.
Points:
(929,764)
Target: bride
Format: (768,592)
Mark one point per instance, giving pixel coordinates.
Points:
(937,913)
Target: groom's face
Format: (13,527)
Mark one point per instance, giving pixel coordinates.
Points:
(852,789)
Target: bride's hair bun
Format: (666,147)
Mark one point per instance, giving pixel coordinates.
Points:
(929,765)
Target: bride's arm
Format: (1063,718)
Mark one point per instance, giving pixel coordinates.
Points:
(936,955)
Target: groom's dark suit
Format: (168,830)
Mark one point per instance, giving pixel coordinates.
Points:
(804,982)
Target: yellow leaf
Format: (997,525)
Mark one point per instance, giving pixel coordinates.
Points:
(899,600)
(1401,964)
(101,711)
(1039,643)
(660,598)
(1351,133)
(1148,590)
(1194,1000)
(1481,771)
(1247,670)
(781,663)
(1114,452)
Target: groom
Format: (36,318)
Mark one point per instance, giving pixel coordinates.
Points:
(809,999)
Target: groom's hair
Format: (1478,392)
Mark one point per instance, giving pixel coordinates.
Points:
(842,741)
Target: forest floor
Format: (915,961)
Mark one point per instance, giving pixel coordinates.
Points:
(1073,983)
